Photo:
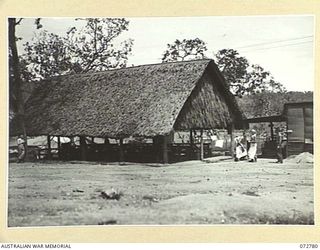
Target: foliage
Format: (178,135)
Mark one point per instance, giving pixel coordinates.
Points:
(47,55)
(243,78)
(94,47)
(234,69)
(186,49)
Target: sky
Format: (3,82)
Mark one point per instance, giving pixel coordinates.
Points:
(282,45)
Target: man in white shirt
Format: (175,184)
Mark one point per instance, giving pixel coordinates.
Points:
(21,149)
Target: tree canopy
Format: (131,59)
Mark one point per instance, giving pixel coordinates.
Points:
(187,49)
(94,47)
(244,78)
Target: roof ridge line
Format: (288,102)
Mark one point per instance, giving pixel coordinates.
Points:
(126,68)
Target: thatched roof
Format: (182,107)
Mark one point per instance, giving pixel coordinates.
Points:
(140,101)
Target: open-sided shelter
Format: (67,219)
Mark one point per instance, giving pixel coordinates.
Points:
(148,101)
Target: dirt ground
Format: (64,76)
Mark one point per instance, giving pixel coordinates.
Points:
(194,192)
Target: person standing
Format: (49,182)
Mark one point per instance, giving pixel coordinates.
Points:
(280,143)
(252,153)
(21,149)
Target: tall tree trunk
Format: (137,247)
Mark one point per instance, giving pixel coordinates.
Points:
(15,82)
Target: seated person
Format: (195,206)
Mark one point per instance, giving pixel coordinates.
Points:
(240,149)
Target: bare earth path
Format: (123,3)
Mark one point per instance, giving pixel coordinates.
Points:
(60,193)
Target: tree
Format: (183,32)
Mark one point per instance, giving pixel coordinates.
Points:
(234,69)
(186,49)
(260,81)
(18,72)
(16,101)
(47,56)
(95,47)
(243,78)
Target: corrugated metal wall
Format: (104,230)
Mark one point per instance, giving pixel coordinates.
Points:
(300,121)
(308,126)
(308,129)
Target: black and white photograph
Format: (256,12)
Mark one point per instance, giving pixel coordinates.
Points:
(204,120)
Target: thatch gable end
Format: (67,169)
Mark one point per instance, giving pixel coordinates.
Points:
(210,105)
(139,101)
(205,108)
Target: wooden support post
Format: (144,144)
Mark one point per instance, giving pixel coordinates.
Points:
(156,148)
(106,141)
(271,130)
(201,146)
(165,149)
(191,153)
(191,138)
(59,148)
(106,149)
(231,130)
(288,138)
(121,153)
(49,147)
(83,148)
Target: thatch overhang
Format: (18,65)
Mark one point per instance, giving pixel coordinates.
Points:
(272,118)
(146,101)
